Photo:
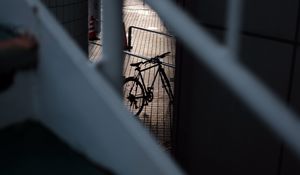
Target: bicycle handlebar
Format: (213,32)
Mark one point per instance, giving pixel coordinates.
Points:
(147,58)
(162,55)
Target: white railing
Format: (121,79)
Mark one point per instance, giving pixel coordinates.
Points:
(112,47)
(222,61)
(71,97)
(80,105)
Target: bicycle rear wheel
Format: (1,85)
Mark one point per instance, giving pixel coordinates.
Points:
(134,95)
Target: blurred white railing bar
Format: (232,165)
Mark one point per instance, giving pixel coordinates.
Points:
(234,16)
(112,62)
(75,101)
(242,82)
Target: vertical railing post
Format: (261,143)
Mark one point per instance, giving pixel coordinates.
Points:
(129,38)
(112,62)
(99,15)
(101,19)
(234,14)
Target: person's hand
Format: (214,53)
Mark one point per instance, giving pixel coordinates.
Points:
(25,41)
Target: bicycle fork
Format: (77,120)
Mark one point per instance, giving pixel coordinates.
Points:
(166,84)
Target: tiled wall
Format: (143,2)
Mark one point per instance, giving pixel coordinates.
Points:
(73,15)
(219,132)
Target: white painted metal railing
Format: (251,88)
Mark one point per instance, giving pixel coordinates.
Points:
(112,47)
(69,95)
(234,24)
(222,60)
(80,105)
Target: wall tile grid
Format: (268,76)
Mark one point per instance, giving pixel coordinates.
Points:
(269,37)
(270,49)
(73,15)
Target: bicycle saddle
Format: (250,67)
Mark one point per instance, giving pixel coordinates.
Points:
(136,64)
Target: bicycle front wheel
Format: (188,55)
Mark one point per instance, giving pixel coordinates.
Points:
(134,95)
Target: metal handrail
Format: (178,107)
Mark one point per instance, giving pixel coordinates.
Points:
(143,29)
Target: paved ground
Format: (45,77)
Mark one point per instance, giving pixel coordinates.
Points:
(157,116)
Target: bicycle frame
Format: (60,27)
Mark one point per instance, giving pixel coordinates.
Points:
(164,81)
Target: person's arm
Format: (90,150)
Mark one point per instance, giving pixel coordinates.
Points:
(19,42)
(17,53)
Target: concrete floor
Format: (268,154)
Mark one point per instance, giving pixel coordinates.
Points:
(157,116)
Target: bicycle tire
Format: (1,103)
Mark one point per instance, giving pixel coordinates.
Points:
(134,95)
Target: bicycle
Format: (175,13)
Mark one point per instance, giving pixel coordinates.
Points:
(136,93)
